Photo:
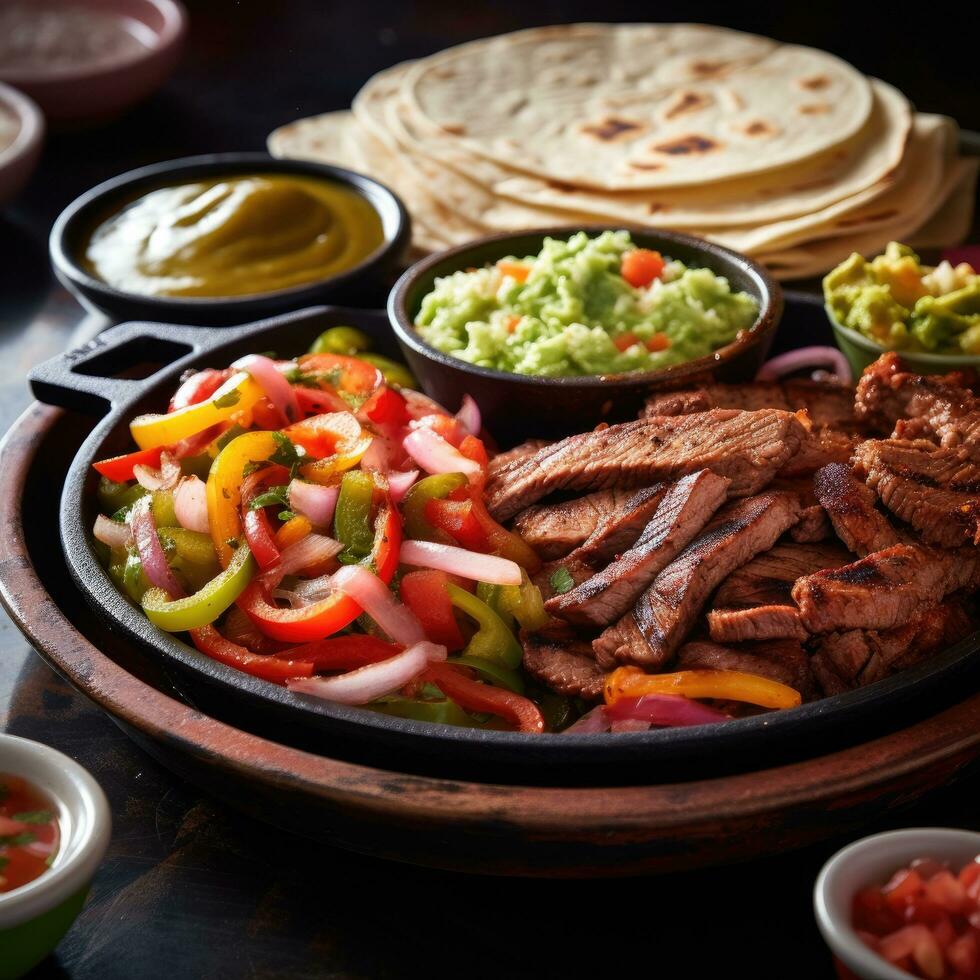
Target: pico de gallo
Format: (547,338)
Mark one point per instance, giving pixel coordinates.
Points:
(318,523)
(29,833)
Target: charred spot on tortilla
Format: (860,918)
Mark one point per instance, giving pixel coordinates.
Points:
(655,207)
(756,128)
(642,165)
(687,102)
(868,218)
(703,68)
(814,108)
(444,71)
(454,129)
(814,83)
(613,129)
(734,101)
(686,146)
(561,187)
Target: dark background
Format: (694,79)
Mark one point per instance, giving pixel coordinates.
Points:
(190,889)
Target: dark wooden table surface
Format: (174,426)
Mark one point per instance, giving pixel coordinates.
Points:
(192,889)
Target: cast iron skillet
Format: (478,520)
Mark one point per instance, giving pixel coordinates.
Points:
(91,380)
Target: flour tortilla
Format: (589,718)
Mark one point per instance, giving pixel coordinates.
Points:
(638,106)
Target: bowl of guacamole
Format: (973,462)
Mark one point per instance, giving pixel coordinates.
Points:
(562,328)
(893,302)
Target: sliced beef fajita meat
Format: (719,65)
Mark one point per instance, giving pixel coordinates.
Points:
(934,489)
(619,530)
(755,601)
(824,446)
(826,404)
(553,577)
(653,630)
(940,407)
(853,658)
(746,447)
(510,456)
(814,525)
(563,662)
(683,512)
(784,661)
(553,530)
(850,505)
(884,589)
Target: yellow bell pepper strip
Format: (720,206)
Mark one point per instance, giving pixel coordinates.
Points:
(724,685)
(205,606)
(239,393)
(436,487)
(492,640)
(523,603)
(295,529)
(224,488)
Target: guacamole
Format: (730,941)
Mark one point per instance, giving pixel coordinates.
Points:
(901,304)
(570,311)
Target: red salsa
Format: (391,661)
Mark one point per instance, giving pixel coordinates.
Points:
(925,920)
(28,833)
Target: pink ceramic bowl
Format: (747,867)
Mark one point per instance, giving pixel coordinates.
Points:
(19,157)
(103,89)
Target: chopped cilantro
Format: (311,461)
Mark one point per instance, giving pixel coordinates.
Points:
(34,816)
(232,543)
(4,791)
(253,466)
(273,497)
(561,580)
(4,861)
(286,515)
(18,840)
(287,453)
(228,400)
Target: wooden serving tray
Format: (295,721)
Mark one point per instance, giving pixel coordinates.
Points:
(460,825)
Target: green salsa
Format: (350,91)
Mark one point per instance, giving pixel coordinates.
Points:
(569,311)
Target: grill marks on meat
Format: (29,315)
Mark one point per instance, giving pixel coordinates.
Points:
(746,447)
(682,513)
(651,633)
(939,406)
(850,505)
(824,446)
(936,490)
(564,662)
(883,590)
(755,601)
(510,456)
(784,661)
(620,528)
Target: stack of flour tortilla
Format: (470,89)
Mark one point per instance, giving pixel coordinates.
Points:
(783,152)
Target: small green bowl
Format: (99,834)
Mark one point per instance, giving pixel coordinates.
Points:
(860,352)
(34,917)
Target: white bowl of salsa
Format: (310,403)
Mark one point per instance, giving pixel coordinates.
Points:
(54,830)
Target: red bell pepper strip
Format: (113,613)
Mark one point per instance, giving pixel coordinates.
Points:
(471,695)
(386,406)
(424,592)
(258,531)
(344,652)
(210,642)
(324,618)
(457,519)
(119,469)
(472,448)
(354,376)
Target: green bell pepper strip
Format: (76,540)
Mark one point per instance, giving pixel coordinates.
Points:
(198,466)
(191,554)
(341,340)
(114,496)
(441,711)
(492,641)
(557,710)
(492,671)
(436,487)
(395,374)
(163,509)
(126,570)
(352,518)
(208,604)
(523,603)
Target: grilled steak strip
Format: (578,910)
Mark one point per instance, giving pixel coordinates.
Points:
(883,590)
(814,525)
(553,530)
(746,447)
(755,601)
(784,661)
(563,662)
(607,595)
(823,447)
(935,490)
(850,505)
(619,530)
(665,613)
(939,407)
(509,456)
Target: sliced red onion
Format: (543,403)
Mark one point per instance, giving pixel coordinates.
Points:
(317,401)
(628,725)
(469,416)
(435,455)
(400,483)
(292,599)
(372,595)
(314,589)
(112,533)
(459,561)
(420,405)
(269,378)
(313,501)
(806,357)
(151,551)
(164,478)
(311,550)
(590,723)
(191,504)
(373,681)
(666,710)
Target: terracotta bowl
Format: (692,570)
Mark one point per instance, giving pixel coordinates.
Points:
(516,406)
(104,89)
(19,158)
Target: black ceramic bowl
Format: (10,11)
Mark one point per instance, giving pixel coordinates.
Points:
(360,283)
(516,406)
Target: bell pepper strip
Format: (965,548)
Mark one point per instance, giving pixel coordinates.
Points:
(471,695)
(393,372)
(341,340)
(492,639)
(456,518)
(200,385)
(322,619)
(436,487)
(295,529)
(386,407)
(439,711)
(343,652)
(425,593)
(725,685)
(472,448)
(255,522)
(119,469)
(224,488)
(352,517)
(321,435)
(492,672)
(523,603)
(115,496)
(352,375)
(204,606)
(239,393)
(211,643)
(504,543)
